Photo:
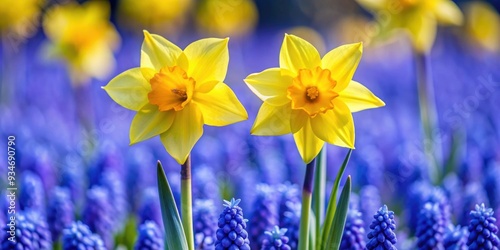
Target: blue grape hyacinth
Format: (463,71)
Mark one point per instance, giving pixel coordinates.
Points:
(112,182)
(291,221)
(150,209)
(150,237)
(289,193)
(232,225)
(474,194)
(382,236)
(31,233)
(97,214)
(354,232)
(60,211)
(31,195)
(455,238)
(275,240)
(265,214)
(482,229)
(78,236)
(205,223)
(431,227)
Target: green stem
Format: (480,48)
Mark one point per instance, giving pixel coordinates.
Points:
(428,115)
(187,202)
(319,187)
(306,206)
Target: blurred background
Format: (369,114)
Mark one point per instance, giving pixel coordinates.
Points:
(56,55)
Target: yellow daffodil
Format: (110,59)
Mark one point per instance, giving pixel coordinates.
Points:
(155,15)
(84,37)
(418,17)
(311,97)
(19,18)
(226,17)
(176,91)
(483,25)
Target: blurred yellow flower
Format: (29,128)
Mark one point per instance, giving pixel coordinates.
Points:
(19,17)
(226,17)
(483,24)
(418,17)
(311,97)
(175,92)
(84,37)
(155,15)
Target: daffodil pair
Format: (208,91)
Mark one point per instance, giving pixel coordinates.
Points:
(175,92)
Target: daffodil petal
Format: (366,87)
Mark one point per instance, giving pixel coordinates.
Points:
(185,131)
(157,52)
(270,86)
(298,119)
(422,29)
(296,53)
(342,62)
(208,60)
(307,143)
(220,106)
(272,120)
(357,97)
(129,89)
(148,73)
(149,122)
(336,126)
(373,4)
(447,12)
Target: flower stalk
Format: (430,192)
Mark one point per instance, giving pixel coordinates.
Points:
(306,206)
(428,116)
(319,187)
(187,202)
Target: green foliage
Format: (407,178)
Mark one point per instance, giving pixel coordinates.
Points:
(175,238)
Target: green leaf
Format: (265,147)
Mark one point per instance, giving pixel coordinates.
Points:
(332,203)
(335,236)
(175,239)
(319,193)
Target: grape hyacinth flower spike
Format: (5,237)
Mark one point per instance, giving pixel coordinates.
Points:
(150,237)
(431,227)
(60,211)
(232,232)
(276,240)
(205,223)
(482,229)
(455,238)
(354,231)
(32,194)
(97,214)
(78,236)
(32,232)
(382,236)
(264,216)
